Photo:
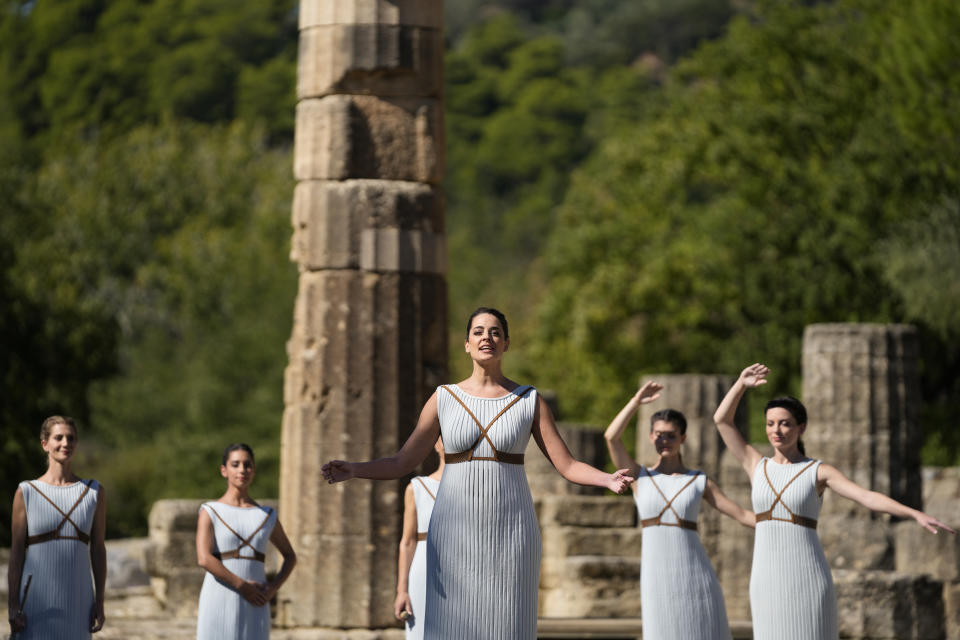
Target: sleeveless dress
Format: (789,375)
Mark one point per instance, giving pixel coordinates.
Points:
(241,535)
(60,600)
(424,495)
(679,591)
(791,589)
(483,546)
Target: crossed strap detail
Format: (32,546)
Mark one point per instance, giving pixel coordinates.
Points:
(803,521)
(657,520)
(81,536)
(422,535)
(258,556)
(498,456)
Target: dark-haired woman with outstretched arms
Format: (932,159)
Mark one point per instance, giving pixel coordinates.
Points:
(680,595)
(483,543)
(791,589)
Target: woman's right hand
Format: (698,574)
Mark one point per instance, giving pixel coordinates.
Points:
(337,471)
(402,606)
(754,375)
(18,622)
(254,592)
(648,392)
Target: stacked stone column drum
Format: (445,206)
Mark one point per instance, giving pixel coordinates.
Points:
(369,336)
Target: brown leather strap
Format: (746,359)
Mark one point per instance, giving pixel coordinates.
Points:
(657,522)
(257,556)
(421,536)
(767,515)
(244,542)
(669,504)
(82,536)
(498,456)
(425,487)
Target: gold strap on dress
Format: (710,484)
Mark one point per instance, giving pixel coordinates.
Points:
(767,515)
(657,520)
(498,456)
(421,536)
(257,556)
(81,536)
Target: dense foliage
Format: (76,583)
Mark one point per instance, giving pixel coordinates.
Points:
(644,186)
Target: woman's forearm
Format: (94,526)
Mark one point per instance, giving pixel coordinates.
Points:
(620,421)
(582,473)
(382,468)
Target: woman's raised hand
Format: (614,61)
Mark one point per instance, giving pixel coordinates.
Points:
(620,481)
(754,375)
(336,471)
(648,392)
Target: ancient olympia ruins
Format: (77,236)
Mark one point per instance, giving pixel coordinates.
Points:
(369,343)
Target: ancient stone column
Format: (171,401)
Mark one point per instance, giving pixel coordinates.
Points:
(861,390)
(369,336)
(729,544)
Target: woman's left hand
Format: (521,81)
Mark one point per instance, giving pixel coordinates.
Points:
(97,617)
(337,471)
(620,481)
(931,524)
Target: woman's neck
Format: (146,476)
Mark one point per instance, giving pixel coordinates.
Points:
(436,475)
(669,465)
(59,473)
(237,497)
(788,456)
(486,377)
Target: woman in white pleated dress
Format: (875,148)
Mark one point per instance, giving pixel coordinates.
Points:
(58,560)
(483,545)
(791,590)
(679,592)
(418,500)
(232,537)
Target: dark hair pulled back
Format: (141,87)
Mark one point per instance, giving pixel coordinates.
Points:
(236,446)
(495,313)
(796,409)
(672,416)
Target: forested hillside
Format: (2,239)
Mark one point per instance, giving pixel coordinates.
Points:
(643,186)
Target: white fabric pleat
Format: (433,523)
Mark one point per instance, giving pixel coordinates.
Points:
(417,579)
(483,545)
(679,592)
(223,614)
(791,589)
(60,600)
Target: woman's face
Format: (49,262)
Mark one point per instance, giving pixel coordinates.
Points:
(239,470)
(485,342)
(666,438)
(61,444)
(783,431)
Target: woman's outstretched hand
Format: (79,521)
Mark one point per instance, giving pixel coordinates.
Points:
(337,471)
(648,392)
(931,524)
(754,375)
(620,481)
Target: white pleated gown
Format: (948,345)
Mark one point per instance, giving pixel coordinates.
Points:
(483,546)
(60,601)
(791,589)
(679,592)
(223,614)
(424,494)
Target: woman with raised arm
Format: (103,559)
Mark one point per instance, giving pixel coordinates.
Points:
(59,521)
(791,589)
(483,545)
(418,501)
(232,537)
(679,592)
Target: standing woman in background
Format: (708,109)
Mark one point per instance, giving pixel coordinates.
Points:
(679,591)
(418,501)
(232,536)
(483,547)
(791,588)
(59,522)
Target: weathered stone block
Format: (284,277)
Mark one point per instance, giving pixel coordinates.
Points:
(883,605)
(731,549)
(375,225)
(854,538)
(585,444)
(951,609)
(422,13)
(587,511)
(378,59)
(561,542)
(340,137)
(919,551)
